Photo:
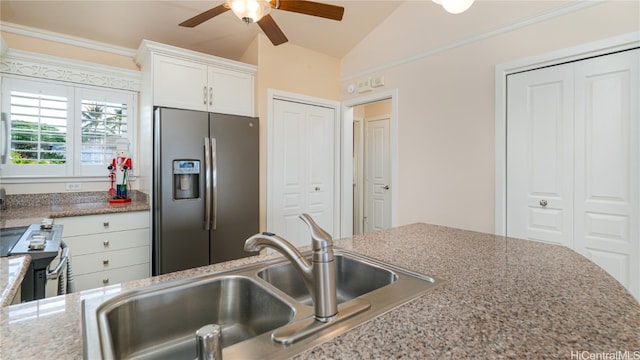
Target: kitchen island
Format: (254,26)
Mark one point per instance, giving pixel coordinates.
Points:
(504,298)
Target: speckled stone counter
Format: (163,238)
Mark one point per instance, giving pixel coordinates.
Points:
(12,270)
(32,208)
(504,298)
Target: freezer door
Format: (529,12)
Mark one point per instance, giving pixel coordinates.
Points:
(236,199)
(180,238)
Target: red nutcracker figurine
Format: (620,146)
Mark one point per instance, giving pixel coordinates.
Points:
(118,171)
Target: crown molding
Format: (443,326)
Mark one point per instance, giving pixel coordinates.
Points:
(24,63)
(147,47)
(65,39)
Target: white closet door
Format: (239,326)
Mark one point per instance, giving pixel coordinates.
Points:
(540,155)
(319,149)
(303,169)
(607,165)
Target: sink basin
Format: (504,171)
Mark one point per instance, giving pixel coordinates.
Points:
(353,278)
(264,310)
(161,323)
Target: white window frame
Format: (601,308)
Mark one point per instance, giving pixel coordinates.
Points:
(74,93)
(70,71)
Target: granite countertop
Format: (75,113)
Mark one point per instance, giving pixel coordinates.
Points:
(12,270)
(504,298)
(26,209)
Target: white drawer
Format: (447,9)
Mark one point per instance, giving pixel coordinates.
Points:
(116,276)
(108,260)
(89,244)
(95,224)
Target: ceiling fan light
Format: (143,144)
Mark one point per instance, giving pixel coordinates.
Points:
(439,2)
(249,10)
(456,6)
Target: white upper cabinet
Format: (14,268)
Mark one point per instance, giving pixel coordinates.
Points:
(186,79)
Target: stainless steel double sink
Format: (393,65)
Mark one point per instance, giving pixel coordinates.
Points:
(252,304)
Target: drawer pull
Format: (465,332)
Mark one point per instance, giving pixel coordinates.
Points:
(105,223)
(105,262)
(105,281)
(105,243)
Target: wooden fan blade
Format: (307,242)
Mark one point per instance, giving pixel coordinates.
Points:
(202,17)
(272,30)
(326,11)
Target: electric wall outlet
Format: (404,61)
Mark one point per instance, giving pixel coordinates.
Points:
(72,186)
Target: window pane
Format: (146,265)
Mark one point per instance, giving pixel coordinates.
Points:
(102,123)
(38,128)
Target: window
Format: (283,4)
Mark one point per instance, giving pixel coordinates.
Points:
(58,130)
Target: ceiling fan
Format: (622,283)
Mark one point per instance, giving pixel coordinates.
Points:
(258,11)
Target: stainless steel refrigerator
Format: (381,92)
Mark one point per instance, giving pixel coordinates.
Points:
(206,188)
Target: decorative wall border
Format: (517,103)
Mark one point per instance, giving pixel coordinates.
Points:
(18,62)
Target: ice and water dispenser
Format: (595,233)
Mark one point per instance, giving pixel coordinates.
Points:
(186,179)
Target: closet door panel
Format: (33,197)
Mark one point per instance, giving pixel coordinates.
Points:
(540,155)
(607,164)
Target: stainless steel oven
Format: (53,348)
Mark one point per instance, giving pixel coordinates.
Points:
(43,242)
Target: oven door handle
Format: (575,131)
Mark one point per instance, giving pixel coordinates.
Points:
(64,257)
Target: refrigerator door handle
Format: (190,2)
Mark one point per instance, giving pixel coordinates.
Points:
(214,178)
(207,182)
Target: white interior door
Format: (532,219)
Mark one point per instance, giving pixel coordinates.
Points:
(377,175)
(607,199)
(358,176)
(540,155)
(303,169)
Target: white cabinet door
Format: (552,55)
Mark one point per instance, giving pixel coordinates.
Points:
(303,169)
(540,155)
(607,191)
(180,83)
(230,92)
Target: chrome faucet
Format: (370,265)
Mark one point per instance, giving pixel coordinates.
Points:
(319,276)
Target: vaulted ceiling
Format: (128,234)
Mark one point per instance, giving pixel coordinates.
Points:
(126,23)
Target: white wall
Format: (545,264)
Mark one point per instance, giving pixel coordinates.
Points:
(443,67)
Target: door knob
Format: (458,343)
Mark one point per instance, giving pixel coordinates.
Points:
(386,187)
(543,203)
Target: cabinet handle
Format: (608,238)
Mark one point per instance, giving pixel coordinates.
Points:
(210,96)
(105,223)
(105,281)
(204,95)
(105,262)
(105,243)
